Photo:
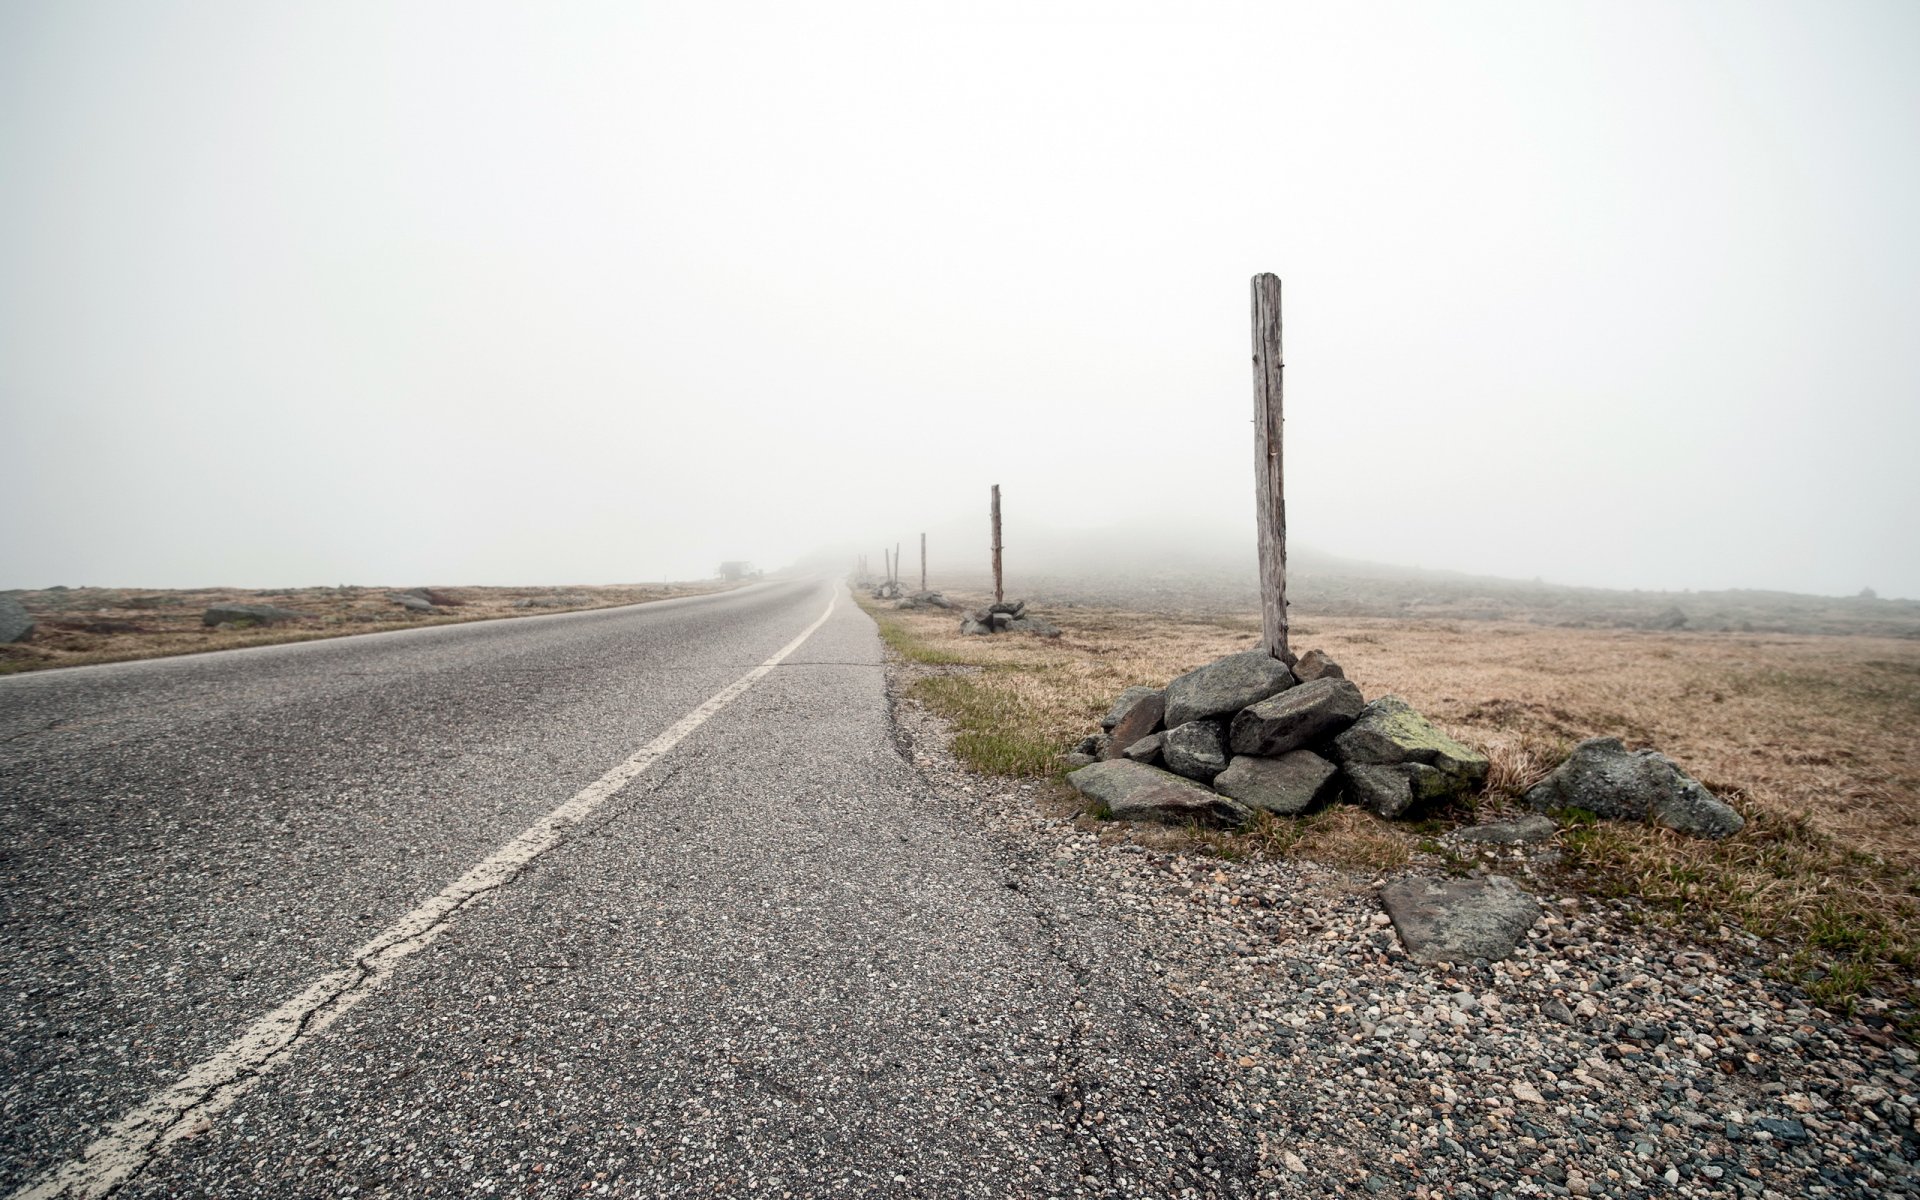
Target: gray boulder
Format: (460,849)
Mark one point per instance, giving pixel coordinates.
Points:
(1012,608)
(1315,664)
(1296,717)
(1127,700)
(1287,786)
(1391,734)
(1133,791)
(1077,759)
(1392,789)
(15,624)
(1533,828)
(1225,687)
(973,626)
(1147,750)
(412,602)
(1137,719)
(248,614)
(1197,749)
(1605,778)
(1458,920)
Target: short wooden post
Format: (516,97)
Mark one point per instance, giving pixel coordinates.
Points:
(1269,491)
(923,562)
(999,593)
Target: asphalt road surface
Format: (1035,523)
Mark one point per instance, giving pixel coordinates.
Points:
(642,901)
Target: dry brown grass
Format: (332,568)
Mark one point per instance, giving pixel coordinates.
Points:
(79,626)
(1816,739)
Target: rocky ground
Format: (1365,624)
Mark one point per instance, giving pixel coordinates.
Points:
(1603,1059)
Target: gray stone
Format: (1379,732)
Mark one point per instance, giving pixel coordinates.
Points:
(1533,828)
(1133,791)
(1012,608)
(970,624)
(1197,749)
(1391,790)
(1034,626)
(1458,920)
(1391,734)
(243,615)
(1137,720)
(1605,778)
(1147,750)
(1089,744)
(1078,759)
(15,624)
(1127,700)
(1287,786)
(412,602)
(1296,717)
(1225,687)
(1315,664)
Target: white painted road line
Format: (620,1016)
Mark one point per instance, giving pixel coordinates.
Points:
(209,1087)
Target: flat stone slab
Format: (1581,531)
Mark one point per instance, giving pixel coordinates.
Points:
(1133,791)
(1286,786)
(1296,718)
(1527,829)
(1133,719)
(1458,920)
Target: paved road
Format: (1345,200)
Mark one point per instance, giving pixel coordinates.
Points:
(767,961)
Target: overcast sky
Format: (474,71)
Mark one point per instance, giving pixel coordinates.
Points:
(1619,293)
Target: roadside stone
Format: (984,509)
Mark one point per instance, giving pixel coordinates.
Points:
(1125,703)
(1148,749)
(242,615)
(1603,777)
(1315,664)
(1078,759)
(1458,920)
(1225,686)
(1132,791)
(1530,828)
(1034,626)
(974,626)
(1286,786)
(1391,734)
(1136,720)
(412,602)
(1391,791)
(1296,717)
(1197,749)
(15,624)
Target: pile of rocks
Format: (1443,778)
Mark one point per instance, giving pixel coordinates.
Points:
(925,600)
(1006,616)
(888,590)
(1248,733)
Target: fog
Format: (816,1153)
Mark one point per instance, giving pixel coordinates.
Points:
(1608,294)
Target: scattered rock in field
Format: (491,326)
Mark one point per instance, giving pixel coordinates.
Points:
(241,616)
(1531,828)
(1391,734)
(1197,749)
(1078,759)
(1458,920)
(1296,717)
(15,624)
(412,602)
(1133,791)
(1136,719)
(1034,626)
(1286,786)
(442,599)
(1605,778)
(1148,749)
(973,626)
(925,600)
(1226,686)
(1315,664)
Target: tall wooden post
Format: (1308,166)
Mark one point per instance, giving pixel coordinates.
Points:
(1270,496)
(896,564)
(923,562)
(999,593)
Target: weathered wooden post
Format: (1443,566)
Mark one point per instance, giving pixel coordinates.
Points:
(999,593)
(923,562)
(1269,491)
(896,564)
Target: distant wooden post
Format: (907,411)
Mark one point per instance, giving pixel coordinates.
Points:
(923,562)
(1270,496)
(999,593)
(896,564)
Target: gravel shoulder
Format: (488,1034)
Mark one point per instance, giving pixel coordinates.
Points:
(1605,1058)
